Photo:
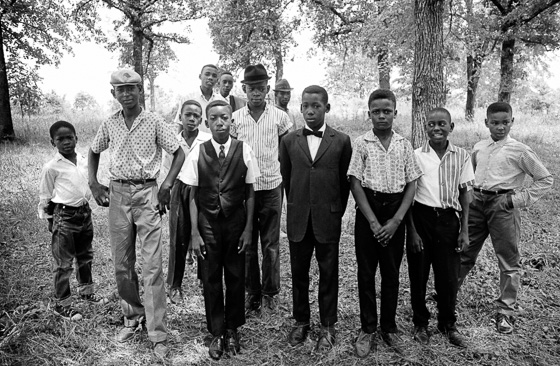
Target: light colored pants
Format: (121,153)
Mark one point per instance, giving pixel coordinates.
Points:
(133,212)
(488,215)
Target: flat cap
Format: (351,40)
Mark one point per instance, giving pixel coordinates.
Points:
(125,77)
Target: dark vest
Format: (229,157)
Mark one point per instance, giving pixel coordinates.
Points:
(221,188)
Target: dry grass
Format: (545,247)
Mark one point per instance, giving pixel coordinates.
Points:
(30,334)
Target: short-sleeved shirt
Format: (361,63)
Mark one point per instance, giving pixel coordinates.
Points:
(386,171)
(199,139)
(262,136)
(135,153)
(442,179)
(63,182)
(504,164)
(295,117)
(189,175)
(203,103)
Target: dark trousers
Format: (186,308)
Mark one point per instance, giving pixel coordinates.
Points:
(266,224)
(179,233)
(223,262)
(72,236)
(327,259)
(369,254)
(439,231)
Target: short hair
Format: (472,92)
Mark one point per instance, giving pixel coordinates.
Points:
(441,110)
(208,65)
(316,89)
(217,103)
(58,125)
(382,94)
(191,102)
(225,73)
(499,107)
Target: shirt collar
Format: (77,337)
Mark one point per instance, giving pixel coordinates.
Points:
(450,147)
(322,129)
(500,142)
(266,106)
(217,145)
(370,136)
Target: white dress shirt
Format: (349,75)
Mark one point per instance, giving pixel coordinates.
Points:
(313,141)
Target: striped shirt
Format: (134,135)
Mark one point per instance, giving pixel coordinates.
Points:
(439,186)
(386,171)
(504,164)
(135,153)
(262,136)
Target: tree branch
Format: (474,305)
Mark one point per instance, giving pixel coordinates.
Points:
(498,5)
(337,13)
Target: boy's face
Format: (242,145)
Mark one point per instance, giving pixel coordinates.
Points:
(64,140)
(256,93)
(499,124)
(438,126)
(219,121)
(283,98)
(208,77)
(313,109)
(226,84)
(128,96)
(191,116)
(382,112)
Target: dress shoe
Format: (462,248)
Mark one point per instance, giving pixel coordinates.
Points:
(504,323)
(421,335)
(365,343)
(326,339)
(231,343)
(457,339)
(269,304)
(394,341)
(298,333)
(252,303)
(216,348)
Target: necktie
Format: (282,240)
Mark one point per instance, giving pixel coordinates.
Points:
(222,156)
(307,132)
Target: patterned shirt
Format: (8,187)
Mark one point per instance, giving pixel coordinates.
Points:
(504,164)
(439,186)
(386,171)
(262,136)
(135,153)
(63,182)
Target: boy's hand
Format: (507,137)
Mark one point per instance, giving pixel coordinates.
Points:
(462,241)
(244,240)
(190,259)
(414,242)
(375,228)
(50,224)
(198,246)
(388,230)
(100,194)
(164,195)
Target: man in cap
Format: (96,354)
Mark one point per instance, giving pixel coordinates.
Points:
(136,139)
(226,84)
(282,96)
(261,125)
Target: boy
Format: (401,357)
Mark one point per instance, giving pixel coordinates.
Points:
(64,196)
(226,84)
(282,95)
(501,165)
(179,218)
(136,139)
(314,161)
(437,226)
(383,171)
(262,126)
(221,172)
(205,94)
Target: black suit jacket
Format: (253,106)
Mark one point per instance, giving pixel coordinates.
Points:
(315,188)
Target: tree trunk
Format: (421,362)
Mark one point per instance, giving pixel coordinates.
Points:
(137,39)
(383,68)
(6,123)
(428,83)
(474,64)
(506,70)
(278,59)
(152,92)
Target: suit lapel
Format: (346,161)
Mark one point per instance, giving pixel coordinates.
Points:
(302,141)
(325,143)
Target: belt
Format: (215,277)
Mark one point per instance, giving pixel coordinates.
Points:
(438,210)
(383,194)
(71,208)
(493,193)
(134,181)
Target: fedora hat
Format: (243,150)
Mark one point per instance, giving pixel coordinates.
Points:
(282,85)
(255,74)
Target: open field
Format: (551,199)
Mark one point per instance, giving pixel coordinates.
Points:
(30,334)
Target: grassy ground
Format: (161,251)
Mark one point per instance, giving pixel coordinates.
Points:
(30,334)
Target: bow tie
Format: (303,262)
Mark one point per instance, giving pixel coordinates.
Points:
(307,132)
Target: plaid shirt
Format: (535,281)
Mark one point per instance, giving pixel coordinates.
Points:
(135,153)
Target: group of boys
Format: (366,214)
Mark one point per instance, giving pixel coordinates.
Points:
(226,196)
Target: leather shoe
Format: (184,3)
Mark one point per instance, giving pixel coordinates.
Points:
(232,341)
(457,339)
(326,339)
(298,333)
(160,349)
(252,303)
(365,343)
(216,348)
(504,323)
(421,335)
(126,333)
(175,295)
(394,341)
